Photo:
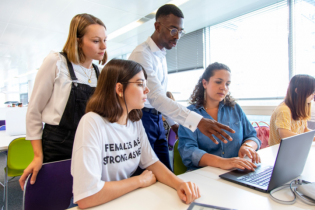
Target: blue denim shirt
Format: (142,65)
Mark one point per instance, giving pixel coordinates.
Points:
(193,145)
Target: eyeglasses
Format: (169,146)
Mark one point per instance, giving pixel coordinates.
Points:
(174,31)
(142,84)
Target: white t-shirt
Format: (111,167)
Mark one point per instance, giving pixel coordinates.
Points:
(105,151)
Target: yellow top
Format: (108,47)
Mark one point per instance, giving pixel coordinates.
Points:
(281,118)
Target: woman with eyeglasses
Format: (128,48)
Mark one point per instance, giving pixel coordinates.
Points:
(290,117)
(110,142)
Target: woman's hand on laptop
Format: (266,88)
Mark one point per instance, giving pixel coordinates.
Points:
(237,162)
(250,153)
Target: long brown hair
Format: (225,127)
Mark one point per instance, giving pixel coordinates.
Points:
(77,29)
(105,101)
(296,101)
(197,97)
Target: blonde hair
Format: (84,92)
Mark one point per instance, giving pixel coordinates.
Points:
(78,26)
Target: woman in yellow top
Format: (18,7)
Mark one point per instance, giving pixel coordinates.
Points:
(290,117)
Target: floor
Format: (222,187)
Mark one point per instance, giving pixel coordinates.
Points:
(15,192)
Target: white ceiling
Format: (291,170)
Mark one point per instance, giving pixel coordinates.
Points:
(30,29)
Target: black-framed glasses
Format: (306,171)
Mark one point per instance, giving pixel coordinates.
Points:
(142,84)
(175,31)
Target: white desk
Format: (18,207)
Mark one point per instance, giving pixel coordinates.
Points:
(214,191)
(5,140)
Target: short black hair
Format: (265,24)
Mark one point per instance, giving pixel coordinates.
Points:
(169,9)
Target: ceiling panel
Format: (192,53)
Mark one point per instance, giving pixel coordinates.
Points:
(30,29)
(138,7)
(24,12)
(3,52)
(48,11)
(12,34)
(198,14)
(7,8)
(31,35)
(61,22)
(211,13)
(2,28)
(111,17)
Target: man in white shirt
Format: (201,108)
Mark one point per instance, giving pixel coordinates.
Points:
(151,55)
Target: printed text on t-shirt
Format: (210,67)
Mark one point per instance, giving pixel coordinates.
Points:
(122,146)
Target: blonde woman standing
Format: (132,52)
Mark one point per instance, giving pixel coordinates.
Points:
(64,83)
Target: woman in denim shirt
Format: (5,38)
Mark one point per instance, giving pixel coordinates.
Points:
(212,100)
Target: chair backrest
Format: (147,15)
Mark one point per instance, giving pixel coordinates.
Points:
(179,167)
(2,122)
(262,133)
(52,189)
(171,139)
(20,154)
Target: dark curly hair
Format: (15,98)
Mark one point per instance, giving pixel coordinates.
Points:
(197,97)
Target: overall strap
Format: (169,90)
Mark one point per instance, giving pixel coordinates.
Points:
(70,67)
(97,71)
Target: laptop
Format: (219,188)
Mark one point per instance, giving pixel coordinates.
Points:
(292,154)
(15,121)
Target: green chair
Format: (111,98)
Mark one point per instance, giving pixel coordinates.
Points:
(179,167)
(19,155)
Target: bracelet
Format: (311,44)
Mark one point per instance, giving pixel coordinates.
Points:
(248,145)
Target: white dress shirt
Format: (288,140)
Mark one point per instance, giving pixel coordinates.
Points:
(153,60)
(51,92)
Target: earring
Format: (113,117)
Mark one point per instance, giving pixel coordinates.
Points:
(120,95)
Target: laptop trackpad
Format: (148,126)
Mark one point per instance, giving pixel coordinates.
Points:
(242,172)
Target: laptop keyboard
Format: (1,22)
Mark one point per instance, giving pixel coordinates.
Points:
(261,178)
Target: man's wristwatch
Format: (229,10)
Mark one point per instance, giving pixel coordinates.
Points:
(248,145)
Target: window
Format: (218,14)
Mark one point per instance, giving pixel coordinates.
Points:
(304,37)
(182,84)
(124,56)
(24,98)
(255,47)
(188,53)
